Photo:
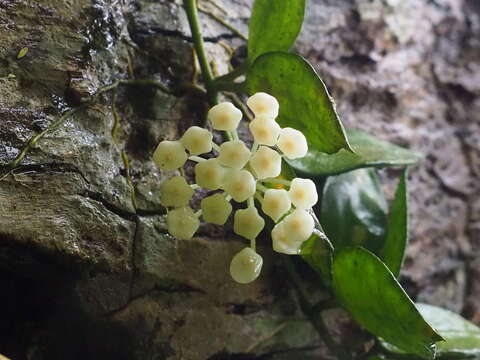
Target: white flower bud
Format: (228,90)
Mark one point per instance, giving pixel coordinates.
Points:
(209,174)
(263,104)
(234,154)
(246,266)
(298,226)
(170,155)
(303,193)
(175,192)
(215,209)
(265,131)
(224,116)
(276,202)
(266,163)
(197,140)
(247,223)
(239,184)
(182,223)
(282,243)
(292,143)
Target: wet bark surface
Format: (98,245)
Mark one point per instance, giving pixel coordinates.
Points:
(87,268)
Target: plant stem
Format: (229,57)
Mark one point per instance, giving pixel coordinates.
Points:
(232,75)
(192,15)
(237,88)
(277,181)
(315,317)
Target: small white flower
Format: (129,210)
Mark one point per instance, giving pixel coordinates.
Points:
(239,184)
(266,163)
(234,154)
(298,226)
(209,174)
(215,209)
(197,140)
(276,203)
(182,223)
(303,193)
(292,143)
(282,243)
(175,192)
(246,266)
(247,223)
(265,131)
(170,155)
(263,104)
(224,116)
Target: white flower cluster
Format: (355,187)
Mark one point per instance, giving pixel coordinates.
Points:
(241,174)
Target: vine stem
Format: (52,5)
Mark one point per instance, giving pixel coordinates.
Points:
(193,20)
(59,122)
(312,314)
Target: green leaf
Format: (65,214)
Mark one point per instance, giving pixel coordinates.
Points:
(274,26)
(317,251)
(23,51)
(375,299)
(462,338)
(354,210)
(396,239)
(304,101)
(369,152)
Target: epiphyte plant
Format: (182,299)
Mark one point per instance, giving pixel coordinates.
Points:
(244,175)
(359,255)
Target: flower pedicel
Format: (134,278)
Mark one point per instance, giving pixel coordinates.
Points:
(242,175)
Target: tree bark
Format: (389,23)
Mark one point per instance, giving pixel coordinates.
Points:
(87,269)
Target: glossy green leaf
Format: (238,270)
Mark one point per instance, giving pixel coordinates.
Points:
(369,151)
(317,251)
(304,101)
(274,26)
(393,249)
(462,338)
(369,291)
(354,210)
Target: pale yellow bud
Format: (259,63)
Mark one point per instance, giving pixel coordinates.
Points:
(197,140)
(209,174)
(263,104)
(303,193)
(239,184)
(225,116)
(298,226)
(246,266)
(175,192)
(234,154)
(276,203)
(216,209)
(282,243)
(248,223)
(266,163)
(292,143)
(265,131)
(170,155)
(182,223)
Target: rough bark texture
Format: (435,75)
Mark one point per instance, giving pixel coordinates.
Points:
(86,274)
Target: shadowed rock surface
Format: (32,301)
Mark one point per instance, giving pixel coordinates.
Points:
(87,274)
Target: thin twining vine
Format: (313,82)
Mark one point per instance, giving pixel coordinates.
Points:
(66,115)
